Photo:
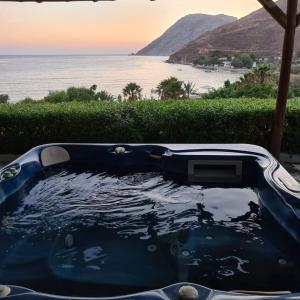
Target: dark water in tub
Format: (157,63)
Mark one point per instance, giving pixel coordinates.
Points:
(98,234)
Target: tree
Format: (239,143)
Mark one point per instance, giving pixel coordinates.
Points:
(263,74)
(247,61)
(170,88)
(248,78)
(104,96)
(227,84)
(80,94)
(211,58)
(56,97)
(237,63)
(189,89)
(93,87)
(259,83)
(132,91)
(253,56)
(4,98)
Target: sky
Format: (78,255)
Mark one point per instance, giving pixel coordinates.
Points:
(118,27)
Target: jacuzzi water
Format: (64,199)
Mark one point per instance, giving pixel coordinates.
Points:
(90,233)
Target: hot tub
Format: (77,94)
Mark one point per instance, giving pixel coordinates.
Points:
(149,221)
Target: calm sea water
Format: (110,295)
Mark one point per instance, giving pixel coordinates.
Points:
(35,76)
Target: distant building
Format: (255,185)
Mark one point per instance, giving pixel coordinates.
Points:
(254,65)
(227,64)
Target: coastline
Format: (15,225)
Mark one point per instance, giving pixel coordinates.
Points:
(211,68)
(110,73)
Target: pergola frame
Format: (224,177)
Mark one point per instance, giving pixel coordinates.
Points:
(289,21)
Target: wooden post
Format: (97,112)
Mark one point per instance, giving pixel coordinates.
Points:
(271,7)
(284,81)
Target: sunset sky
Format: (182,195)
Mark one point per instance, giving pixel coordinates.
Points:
(122,26)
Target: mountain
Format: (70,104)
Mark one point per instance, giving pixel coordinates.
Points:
(184,31)
(258,32)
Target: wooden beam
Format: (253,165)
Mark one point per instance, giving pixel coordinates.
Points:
(298,19)
(285,74)
(272,8)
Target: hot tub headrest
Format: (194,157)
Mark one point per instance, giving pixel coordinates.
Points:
(53,155)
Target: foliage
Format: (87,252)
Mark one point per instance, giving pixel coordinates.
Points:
(189,89)
(27,100)
(294,90)
(104,96)
(170,88)
(259,83)
(262,75)
(132,91)
(81,94)
(56,97)
(237,63)
(24,126)
(243,60)
(4,98)
(211,58)
(238,60)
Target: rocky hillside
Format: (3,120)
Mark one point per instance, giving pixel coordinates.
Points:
(257,33)
(184,31)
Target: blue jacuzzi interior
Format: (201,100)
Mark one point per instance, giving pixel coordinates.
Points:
(109,224)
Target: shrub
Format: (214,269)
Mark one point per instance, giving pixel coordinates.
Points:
(26,100)
(294,91)
(104,96)
(259,83)
(81,94)
(56,97)
(24,126)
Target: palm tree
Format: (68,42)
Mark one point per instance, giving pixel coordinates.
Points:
(263,74)
(189,89)
(248,78)
(132,91)
(170,88)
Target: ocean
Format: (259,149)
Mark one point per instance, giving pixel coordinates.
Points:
(35,75)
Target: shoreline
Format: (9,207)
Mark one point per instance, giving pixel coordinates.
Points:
(211,68)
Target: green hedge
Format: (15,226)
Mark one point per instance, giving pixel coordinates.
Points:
(23,126)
